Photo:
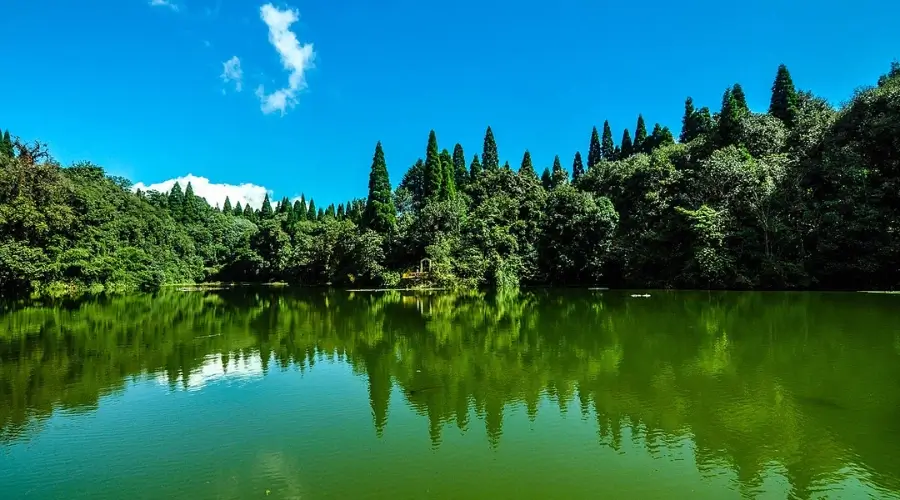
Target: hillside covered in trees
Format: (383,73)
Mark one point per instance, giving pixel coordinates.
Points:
(801,196)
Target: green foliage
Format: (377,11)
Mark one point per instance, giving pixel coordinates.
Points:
(783,104)
(489,158)
(595,150)
(577,167)
(607,145)
(460,173)
(6,145)
(527,168)
(448,181)
(380,214)
(640,136)
(626,148)
(804,196)
(434,170)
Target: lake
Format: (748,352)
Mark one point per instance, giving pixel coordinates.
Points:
(265,393)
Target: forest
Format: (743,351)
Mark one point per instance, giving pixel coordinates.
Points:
(805,195)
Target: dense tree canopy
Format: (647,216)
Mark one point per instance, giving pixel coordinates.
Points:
(801,195)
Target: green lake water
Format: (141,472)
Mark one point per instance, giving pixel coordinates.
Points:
(247,393)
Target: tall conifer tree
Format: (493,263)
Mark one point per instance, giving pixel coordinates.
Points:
(595,150)
(380,214)
(448,182)
(627,148)
(460,173)
(640,136)
(607,145)
(226,207)
(526,169)
(784,102)
(475,169)
(559,176)
(266,211)
(489,157)
(577,166)
(433,168)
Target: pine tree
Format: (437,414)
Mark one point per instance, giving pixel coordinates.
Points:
(489,158)
(340,212)
(238,210)
(640,136)
(475,169)
(176,202)
(784,97)
(311,212)
(380,213)
(448,182)
(6,145)
(607,145)
(595,151)
(227,208)
(740,100)
(661,136)
(558,176)
(191,208)
(688,122)
(460,173)
(547,179)
(627,148)
(299,211)
(526,170)
(265,212)
(285,208)
(249,214)
(330,212)
(577,166)
(729,119)
(433,168)
(320,215)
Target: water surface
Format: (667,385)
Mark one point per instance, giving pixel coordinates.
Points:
(547,394)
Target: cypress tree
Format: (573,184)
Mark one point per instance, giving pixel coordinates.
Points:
(740,100)
(6,145)
(227,208)
(299,211)
(783,104)
(285,208)
(311,210)
(330,212)
(627,149)
(489,158)
(248,213)
(688,126)
(661,136)
(340,212)
(577,166)
(448,183)
(547,179)
(266,211)
(559,176)
(238,210)
(640,136)
(176,202)
(729,119)
(460,173)
(595,151)
(474,169)
(320,215)
(191,205)
(526,170)
(433,168)
(380,213)
(607,145)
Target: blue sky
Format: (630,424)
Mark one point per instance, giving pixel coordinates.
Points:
(138,87)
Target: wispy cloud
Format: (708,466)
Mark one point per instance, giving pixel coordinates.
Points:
(295,58)
(214,193)
(232,72)
(164,3)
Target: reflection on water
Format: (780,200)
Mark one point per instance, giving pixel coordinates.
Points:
(778,394)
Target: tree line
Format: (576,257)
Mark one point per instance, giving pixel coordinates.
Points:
(803,195)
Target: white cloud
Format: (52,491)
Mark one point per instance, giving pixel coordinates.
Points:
(232,72)
(164,3)
(295,58)
(214,193)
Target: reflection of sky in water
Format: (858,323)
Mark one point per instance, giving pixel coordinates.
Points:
(214,369)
